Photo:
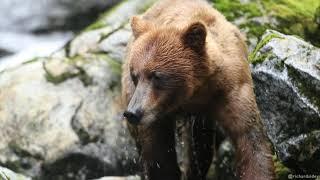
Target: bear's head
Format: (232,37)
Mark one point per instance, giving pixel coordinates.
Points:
(167,66)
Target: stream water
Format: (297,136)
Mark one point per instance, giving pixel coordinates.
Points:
(31,28)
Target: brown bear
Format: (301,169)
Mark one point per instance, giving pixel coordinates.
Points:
(186,59)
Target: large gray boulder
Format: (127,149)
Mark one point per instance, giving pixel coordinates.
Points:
(286,75)
(59,116)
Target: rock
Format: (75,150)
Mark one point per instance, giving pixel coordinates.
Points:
(97,35)
(48,15)
(4,52)
(116,44)
(67,119)
(23,46)
(29,30)
(59,115)
(287,85)
(7,174)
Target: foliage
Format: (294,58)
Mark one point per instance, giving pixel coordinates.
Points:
(252,57)
(281,170)
(293,17)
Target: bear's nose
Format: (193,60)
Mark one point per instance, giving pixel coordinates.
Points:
(133,117)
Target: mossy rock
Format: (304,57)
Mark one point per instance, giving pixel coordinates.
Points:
(253,56)
(287,86)
(120,13)
(281,170)
(294,17)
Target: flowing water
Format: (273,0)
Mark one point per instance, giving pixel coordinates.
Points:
(29,29)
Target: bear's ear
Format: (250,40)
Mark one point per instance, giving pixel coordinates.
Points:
(194,36)
(139,26)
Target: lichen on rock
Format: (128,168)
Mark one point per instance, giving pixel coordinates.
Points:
(281,170)
(287,88)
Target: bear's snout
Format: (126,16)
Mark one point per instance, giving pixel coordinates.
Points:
(133,117)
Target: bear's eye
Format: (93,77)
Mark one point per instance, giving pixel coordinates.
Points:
(156,76)
(134,78)
(158,79)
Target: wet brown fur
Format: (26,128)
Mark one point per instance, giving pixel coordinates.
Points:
(211,78)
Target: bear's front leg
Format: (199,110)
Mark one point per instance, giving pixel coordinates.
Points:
(199,137)
(156,144)
(239,116)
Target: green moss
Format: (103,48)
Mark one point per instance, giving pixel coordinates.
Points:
(101,22)
(304,87)
(106,35)
(289,8)
(254,29)
(59,79)
(281,170)
(97,25)
(114,65)
(259,59)
(76,61)
(146,6)
(3,176)
(252,57)
(294,17)
(280,64)
(116,71)
(31,60)
(81,74)
(14,165)
(233,9)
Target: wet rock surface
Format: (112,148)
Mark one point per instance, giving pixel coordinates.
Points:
(287,85)
(4,52)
